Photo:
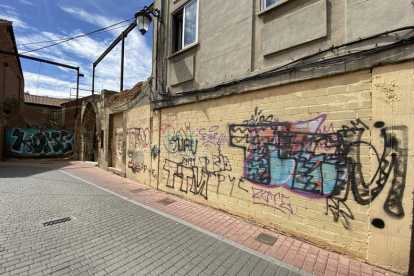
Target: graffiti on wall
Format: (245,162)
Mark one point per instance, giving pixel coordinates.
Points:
(212,137)
(139,143)
(119,135)
(323,163)
(139,138)
(155,151)
(309,158)
(195,175)
(36,142)
(181,142)
(192,171)
(274,200)
(165,126)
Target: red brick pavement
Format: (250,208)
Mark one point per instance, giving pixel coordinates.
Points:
(296,253)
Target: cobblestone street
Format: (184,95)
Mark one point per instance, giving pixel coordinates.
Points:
(106,234)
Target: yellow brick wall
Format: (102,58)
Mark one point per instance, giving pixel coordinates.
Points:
(392,100)
(138,146)
(295,158)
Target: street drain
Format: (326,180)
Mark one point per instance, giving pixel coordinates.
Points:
(166,201)
(138,190)
(266,239)
(53,222)
(44,163)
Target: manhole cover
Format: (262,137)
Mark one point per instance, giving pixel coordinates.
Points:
(138,190)
(166,201)
(53,222)
(266,239)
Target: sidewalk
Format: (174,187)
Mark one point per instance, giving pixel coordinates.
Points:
(294,252)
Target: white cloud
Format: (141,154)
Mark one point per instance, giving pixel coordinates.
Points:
(26,2)
(83,52)
(10,15)
(93,18)
(138,54)
(7,7)
(42,85)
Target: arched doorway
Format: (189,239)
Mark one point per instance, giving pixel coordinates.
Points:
(90,141)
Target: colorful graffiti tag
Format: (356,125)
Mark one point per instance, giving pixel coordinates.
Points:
(324,164)
(36,142)
(310,158)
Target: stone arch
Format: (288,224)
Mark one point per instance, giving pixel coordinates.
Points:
(90,130)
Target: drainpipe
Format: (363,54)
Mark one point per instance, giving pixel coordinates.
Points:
(122,62)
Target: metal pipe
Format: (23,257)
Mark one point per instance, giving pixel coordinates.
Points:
(40,59)
(109,49)
(115,42)
(156,57)
(77,94)
(93,80)
(122,62)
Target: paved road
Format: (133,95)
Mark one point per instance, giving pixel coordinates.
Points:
(106,234)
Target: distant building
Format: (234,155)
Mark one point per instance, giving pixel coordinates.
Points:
(11,80)
(11,83)
(71,109)
(41,110)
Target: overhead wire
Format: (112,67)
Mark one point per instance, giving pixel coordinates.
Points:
(78,36)
(67,38)
(293,66)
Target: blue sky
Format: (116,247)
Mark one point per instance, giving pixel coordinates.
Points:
(42,20)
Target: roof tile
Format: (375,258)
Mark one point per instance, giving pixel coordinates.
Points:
(125,95)
(43,100)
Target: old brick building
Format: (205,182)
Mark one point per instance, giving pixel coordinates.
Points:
(11,83)
(43,111)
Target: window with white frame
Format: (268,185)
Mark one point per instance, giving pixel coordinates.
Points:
(184,26)
(268,3)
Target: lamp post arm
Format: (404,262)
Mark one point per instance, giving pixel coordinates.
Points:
(155,12)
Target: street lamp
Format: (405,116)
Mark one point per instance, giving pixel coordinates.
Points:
(144,18)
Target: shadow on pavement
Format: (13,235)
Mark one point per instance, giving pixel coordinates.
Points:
(27,168)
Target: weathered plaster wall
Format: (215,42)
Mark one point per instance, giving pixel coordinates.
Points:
(260,40)
(224,35)
(369,17)
(327,160)
(392,104)
(117,147)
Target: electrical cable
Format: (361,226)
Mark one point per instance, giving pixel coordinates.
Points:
(67,38)
(292,67)
(81,35)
